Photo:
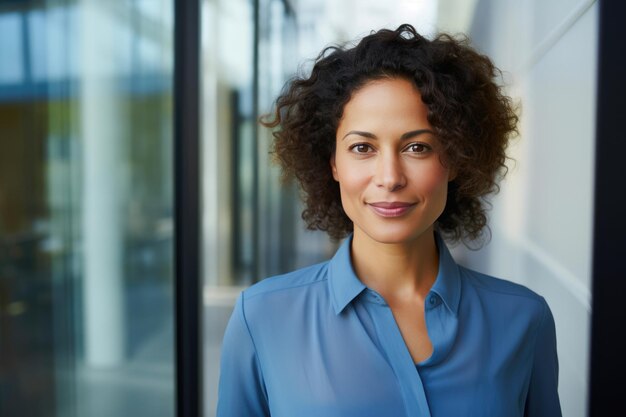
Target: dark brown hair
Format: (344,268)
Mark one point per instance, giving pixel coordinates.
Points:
(467,109)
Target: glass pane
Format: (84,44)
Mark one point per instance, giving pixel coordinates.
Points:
(228,187)
(251,222)
(86,201)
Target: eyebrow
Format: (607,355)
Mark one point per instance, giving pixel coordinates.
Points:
(407,135)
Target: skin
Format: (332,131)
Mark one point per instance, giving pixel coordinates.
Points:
(385,153)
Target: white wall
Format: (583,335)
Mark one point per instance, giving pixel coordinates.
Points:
(542,219)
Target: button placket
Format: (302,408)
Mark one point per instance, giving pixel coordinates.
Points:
(400,359)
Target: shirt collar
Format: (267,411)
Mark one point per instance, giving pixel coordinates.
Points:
(343,283)
(448,282)
(345,286)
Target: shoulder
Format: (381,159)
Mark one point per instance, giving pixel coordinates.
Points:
(509,308)
(504,294)
(276,296)
(297,280)
(497,286)
(278,304)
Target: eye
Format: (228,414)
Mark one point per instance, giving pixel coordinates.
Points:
(361,148)
(418,148)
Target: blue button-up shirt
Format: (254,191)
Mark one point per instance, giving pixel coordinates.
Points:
(317,342)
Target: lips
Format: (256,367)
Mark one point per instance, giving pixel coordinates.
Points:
(391,209)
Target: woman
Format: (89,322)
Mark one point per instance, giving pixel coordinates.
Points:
(395,143)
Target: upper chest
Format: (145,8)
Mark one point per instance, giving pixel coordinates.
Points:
(410,319)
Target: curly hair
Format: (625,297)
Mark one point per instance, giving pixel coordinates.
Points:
(470,115)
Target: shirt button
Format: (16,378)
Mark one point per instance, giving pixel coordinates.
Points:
(432,300)
(377,298)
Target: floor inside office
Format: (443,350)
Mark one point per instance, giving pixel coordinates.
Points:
(142,386)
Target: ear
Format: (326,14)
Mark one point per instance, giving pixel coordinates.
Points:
(452,172)
(333,166)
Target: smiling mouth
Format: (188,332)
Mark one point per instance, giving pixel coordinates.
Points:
(395,209)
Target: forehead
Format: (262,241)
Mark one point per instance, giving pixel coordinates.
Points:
(384,102)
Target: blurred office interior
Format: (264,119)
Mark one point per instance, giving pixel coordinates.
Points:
(87,181)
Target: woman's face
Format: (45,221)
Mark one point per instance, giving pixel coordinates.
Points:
(389,164)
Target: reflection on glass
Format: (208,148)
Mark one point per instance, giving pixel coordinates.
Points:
(228,185)
(86,302)
(251,222)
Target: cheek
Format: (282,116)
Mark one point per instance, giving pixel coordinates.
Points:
(351,177)
(350,185)
(434,181)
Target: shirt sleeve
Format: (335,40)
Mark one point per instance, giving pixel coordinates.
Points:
(241,387)
(543,397)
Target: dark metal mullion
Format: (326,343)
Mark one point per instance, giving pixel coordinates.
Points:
(256,273)
(188,283)
(235,189)
(608,346)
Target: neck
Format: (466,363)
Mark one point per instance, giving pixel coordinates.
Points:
(397,271)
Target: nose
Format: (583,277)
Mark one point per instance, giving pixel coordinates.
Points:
(389,172)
